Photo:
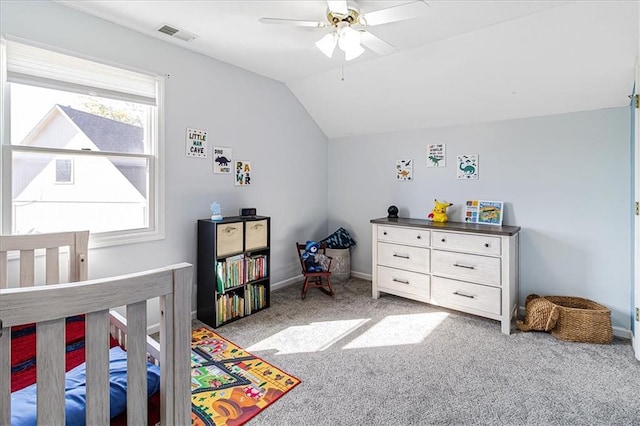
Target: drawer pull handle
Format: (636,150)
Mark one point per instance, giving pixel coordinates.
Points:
(403,256)
(444,240)
(230,229)
(464,266)
(463,295)
(257,226)
(400,281)
(384,233)
(486,245)
(419,237)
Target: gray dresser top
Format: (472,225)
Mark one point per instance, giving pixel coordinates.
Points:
(449,226)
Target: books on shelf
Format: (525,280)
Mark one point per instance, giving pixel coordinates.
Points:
(237,270)
(257,296)
(230,306)
(233,305)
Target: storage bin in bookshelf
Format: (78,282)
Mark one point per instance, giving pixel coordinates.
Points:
(233,268)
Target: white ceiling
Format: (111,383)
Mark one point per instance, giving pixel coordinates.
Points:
(461,62)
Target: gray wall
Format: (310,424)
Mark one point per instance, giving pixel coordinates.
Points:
(257,117)
(565,180)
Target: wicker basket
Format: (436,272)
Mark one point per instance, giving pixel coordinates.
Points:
(581,320)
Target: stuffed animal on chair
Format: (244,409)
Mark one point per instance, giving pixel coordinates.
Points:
(439,212)
(314,261)
(540,314)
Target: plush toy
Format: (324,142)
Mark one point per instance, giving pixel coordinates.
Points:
(540,314)
(314,261)
(439,212)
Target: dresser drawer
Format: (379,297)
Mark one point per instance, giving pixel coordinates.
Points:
(410,236)
(472,243)
(256,234)
(403,282)
(229,238)
(404,257)
(460,294)
(470,267)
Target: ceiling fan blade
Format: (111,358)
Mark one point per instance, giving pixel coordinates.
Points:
(294,22)
(375,43)
(395,13)
(338,6)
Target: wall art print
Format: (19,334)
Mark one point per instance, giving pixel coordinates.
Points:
(436,155)
(404,170)
(243,173)
(196,143)
(467,166)
(222,159)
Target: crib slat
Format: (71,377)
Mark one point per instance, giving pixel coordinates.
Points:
(3,269)
(97,358)
(167,379)
(79,262)
(5,377)
(27,263)
(52,267)
(50,356)
(137,363)
(182,281)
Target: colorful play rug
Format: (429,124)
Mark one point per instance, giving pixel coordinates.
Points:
(229,385)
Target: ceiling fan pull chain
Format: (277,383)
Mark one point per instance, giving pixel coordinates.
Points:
(342,76)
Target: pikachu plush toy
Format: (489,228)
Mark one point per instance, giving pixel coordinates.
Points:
(439,212)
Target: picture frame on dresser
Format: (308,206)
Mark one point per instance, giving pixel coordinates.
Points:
(490,212)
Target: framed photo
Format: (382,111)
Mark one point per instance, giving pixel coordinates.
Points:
(490,212)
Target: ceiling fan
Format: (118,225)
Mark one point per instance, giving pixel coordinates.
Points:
(348,27)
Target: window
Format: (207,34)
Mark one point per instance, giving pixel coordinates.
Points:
(82,146)
(64,170)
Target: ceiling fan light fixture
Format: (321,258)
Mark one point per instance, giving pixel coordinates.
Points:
(349,42)
(353,52)
(327,44)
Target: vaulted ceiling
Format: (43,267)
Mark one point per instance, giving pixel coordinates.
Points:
(459,62)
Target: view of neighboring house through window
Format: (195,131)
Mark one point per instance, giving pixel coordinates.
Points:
(83,146)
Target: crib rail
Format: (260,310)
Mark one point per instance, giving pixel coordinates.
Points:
(48,306)
(26,245)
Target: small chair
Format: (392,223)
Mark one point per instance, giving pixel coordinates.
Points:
(321,279)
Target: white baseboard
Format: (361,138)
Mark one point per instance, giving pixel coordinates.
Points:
(299,278)
(361,275)
(290,281)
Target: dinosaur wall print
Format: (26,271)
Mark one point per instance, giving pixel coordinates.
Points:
(436,155)
(467,166)
(404,170)
(222,159)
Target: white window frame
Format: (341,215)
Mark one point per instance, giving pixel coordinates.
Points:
(155,158)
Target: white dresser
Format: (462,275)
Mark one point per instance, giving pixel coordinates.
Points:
(467,267)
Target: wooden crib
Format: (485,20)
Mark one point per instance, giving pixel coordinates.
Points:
(48,306)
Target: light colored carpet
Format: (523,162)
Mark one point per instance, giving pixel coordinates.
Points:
(393,361)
